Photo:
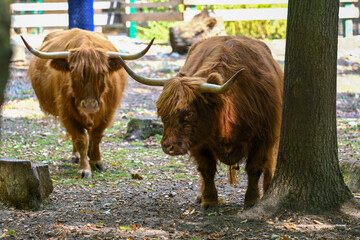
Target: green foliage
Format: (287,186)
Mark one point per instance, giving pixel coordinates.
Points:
(158,138)
(159,30)
(11,232)
(260,29)
(273,29)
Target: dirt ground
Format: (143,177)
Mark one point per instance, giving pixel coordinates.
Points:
(160,205)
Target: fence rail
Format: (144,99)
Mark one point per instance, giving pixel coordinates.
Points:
(54,14)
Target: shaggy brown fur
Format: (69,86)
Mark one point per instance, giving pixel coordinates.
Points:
(241,125)
(87,78)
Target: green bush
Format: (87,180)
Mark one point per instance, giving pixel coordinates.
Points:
(260,29)
(273,29)
(159,30)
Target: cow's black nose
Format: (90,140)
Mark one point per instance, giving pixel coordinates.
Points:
(168,148)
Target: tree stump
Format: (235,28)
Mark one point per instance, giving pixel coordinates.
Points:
(143,128)
(201,26)
(24,185)
(351,173)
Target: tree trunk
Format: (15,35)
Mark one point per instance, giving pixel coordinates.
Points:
(5,48)
(308,176)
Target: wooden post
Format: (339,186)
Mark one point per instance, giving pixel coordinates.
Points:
(132,28)
(348,23)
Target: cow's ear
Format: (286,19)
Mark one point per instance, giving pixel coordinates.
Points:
(114,64)
(215,78)
(60,65)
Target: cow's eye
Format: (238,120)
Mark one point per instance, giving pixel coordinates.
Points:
(188,117)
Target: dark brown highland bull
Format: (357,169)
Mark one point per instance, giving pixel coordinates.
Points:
(215,119)
(78,76)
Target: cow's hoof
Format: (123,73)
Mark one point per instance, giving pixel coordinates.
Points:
(209,207)
(97,166)
(248,205)
(84,174)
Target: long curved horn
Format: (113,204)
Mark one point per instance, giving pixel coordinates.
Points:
(45,55)
(219,89)
(132,56)
(141,79)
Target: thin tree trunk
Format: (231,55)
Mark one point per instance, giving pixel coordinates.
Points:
(308,176)
(5,48)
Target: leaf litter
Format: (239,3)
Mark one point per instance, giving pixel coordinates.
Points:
(143,193)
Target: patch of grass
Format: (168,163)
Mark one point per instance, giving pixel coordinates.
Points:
(348,139)
(158,138)
(136,144)
(111,176)
(42,141)
(116,127)
(113,139)
(180,176)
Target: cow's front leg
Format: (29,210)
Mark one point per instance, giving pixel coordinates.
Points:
(94,151)
(81,145)
(75,158)
(206,163)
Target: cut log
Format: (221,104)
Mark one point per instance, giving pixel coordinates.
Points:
(201,26)
(24,185)
(351,173)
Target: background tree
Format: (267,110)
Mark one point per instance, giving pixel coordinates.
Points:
(308,176)
(5,48)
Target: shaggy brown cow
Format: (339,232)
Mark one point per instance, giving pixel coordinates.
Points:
(78,77)
(228,123)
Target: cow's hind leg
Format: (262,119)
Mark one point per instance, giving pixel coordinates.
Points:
(254,169)
(94,149)
(206,163)
(269,168)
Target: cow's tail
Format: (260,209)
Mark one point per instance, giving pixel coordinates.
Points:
(232,173)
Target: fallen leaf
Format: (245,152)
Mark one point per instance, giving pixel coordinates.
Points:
(290,226)
(136,176)
(317,222)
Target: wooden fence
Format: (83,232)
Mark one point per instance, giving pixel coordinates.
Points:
(116,13)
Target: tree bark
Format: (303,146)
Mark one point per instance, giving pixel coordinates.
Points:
(307,176)
(5,48)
